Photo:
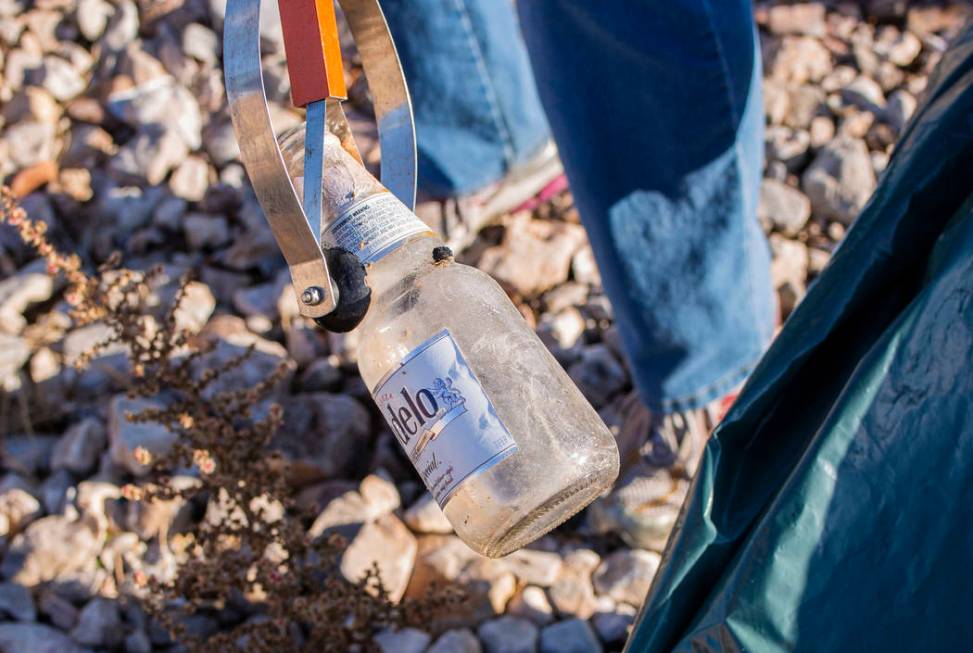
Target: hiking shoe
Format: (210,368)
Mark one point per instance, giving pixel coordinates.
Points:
(459,219)
(659,456)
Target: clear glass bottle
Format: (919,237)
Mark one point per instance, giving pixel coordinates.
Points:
(507,444)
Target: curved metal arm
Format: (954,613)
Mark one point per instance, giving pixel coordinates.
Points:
(261,153)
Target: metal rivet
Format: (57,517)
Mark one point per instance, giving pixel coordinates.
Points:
(312,296)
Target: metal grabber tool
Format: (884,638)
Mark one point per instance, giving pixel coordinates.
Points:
(329,283)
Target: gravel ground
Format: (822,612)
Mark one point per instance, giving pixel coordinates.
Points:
(115,133)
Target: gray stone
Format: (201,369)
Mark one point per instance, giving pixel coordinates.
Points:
(598,374)
(99,624)
(56,490)
(899,109)
(202,230)
(151,154)
(17,602)
(626,575)
(125,436)
(613,626)
(35,638)
(569,636)
(138,642)
(784,207)
(221,143)
(460,640)
(160,101)
(80,447)
(508,635)
(92,17)
(406,640)
(322,375)
(425,516)
(340,425)
(840,180)
(28,454)
(168,214)
(201,43)
(375,497)
(59,610)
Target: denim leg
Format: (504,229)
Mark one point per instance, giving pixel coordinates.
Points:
(656,110)
(475,102)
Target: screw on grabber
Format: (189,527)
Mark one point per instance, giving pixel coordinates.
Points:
(312,296)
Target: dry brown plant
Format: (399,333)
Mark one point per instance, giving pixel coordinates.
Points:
(256,557)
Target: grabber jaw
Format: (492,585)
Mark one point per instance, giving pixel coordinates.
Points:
(333,297)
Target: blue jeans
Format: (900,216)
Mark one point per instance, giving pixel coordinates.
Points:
(656,111)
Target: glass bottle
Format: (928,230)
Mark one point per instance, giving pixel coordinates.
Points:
(503,439)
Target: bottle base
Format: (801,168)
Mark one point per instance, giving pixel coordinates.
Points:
(547,516)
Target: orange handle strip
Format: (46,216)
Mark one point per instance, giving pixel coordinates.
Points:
(313,50)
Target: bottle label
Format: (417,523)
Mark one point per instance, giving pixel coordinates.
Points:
(438,411)
(373,227)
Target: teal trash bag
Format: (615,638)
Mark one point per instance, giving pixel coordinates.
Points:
(833,508)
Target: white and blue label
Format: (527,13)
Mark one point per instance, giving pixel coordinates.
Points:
(441,416)
(374,227)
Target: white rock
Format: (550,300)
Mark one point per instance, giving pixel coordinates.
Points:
(388,544)
(18,508)
(783,206)
(573,593)
(53,549)
(61,79)
(190,179)
(531,603)
(840,180)
(626,575)
(425,516)
(92,17)
(201,43)
(534,567)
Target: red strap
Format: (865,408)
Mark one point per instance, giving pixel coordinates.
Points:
(313,50)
